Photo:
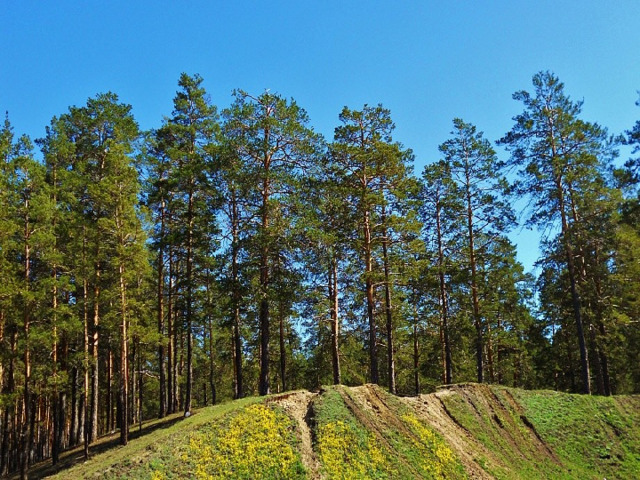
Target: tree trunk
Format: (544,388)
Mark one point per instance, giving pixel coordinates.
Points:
(93,432)
(211,359)
(212,384)
(373,346)
(140,387)
(575,296)
(238,391)
(335,320)
(602,332)
(73,423)
(283,351)
(161,369)
(189,309)
(124,365)
(109,396)
(9,430)
(416,359)
(264,387)
(171,398)
(444,305)
(57,414)
(26,433)
(391,363)
(477,320)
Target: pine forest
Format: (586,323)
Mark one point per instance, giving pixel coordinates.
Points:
(233,251)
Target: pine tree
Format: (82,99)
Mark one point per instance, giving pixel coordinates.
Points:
(270,137)
(440,208)
(103,133)
(374,170)
(185,140)
(475,169)
(559,157)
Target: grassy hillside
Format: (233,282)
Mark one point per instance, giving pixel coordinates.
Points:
(463,431)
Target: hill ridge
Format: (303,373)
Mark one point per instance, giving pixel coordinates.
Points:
(461,431)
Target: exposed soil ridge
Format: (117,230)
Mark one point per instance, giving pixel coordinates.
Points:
(299,406)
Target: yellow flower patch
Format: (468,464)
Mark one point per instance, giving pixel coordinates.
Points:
(436,459)
(253,444)
(346,456)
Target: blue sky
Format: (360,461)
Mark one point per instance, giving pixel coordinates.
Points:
(427,61)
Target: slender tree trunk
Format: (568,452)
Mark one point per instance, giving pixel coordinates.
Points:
(235,301)
(26,430)
(189,309)
(499,349)
(57,414)
(178,354)
(596,366)
(83,429)
(477,320)
(132,417)
(93,432)
(211,359)
(171,402)
(391,363)
(602,332)
(373,346)
(283,350)
(61,414)
(490,354)
(162,380)
(604,362)
(575,296)
(335,320)
(264,387)
(140,387)
(8,424)
(416,358)
(212,384)
(109,396)
(58,398)
(124,366)
(444,305)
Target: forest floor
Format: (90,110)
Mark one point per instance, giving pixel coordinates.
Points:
(103,444)
(460,431)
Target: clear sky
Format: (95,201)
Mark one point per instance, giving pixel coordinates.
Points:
(427,61)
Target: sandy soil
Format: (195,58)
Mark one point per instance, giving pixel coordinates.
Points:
(297,405)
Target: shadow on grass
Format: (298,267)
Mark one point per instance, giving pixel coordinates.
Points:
(75,455)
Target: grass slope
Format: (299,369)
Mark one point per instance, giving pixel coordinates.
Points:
(463,431)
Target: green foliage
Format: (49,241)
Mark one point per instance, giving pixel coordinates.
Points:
(256,248)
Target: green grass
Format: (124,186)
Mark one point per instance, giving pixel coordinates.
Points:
(595,437)
(512,450)
(120,462)
(356,441)
(346,449)
(515,434)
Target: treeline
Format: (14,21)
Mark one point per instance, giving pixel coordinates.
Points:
(233,252)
